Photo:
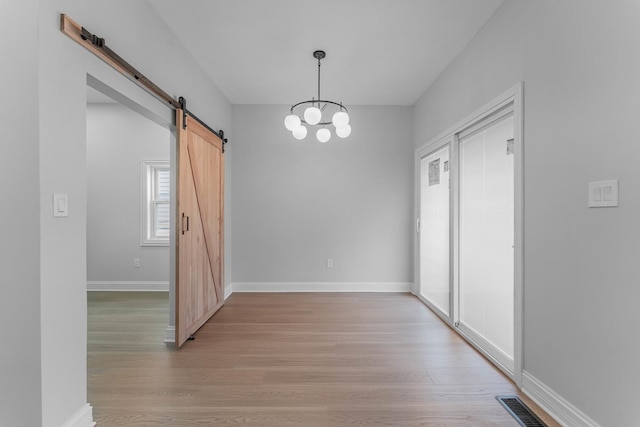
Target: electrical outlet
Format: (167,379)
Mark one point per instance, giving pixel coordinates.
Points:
(136,263)
(329,263)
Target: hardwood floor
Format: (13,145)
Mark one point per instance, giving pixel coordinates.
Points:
(289,360)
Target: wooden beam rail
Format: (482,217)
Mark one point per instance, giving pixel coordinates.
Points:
(98,47)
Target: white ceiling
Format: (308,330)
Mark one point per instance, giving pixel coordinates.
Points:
(379,52)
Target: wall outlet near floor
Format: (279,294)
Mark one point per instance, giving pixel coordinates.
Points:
(329,263)
(136,263)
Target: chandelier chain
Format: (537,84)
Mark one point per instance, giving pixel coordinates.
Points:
(319,81)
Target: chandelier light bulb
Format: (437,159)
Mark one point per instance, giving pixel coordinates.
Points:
(323,135)
(340,119)
(300,132)
(291,122)
(344,132)
(312,115)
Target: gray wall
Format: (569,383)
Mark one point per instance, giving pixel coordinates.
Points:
(118,139)
(297,203)
(20,387)
(580,67)
(58,114)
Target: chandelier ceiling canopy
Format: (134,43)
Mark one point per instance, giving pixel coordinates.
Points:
(316,113)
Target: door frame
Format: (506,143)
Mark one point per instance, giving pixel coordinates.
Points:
(512,95)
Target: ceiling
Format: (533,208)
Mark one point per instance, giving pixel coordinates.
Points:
(379,52)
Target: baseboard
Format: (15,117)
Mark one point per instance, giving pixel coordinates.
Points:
(170,335)
(554,404)
(126,286)
(82,418)
(321,287)
(228,290)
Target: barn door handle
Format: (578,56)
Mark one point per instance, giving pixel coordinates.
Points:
(185,223)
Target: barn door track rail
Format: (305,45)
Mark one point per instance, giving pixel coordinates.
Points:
(97,45)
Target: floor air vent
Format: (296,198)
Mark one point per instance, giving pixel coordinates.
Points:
(520,412)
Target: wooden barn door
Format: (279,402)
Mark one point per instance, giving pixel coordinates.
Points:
(199,252)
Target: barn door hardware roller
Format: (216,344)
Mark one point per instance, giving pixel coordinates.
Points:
(183,105)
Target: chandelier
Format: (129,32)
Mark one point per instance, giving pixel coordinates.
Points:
(316,113)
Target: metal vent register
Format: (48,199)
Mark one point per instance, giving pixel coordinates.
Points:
(520,411)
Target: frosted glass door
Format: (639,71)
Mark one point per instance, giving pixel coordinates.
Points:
(486,238)
(434,229)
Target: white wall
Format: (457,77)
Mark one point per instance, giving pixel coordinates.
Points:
(118,139)
(580,68)
(297,203)
(20,397)
(63,68)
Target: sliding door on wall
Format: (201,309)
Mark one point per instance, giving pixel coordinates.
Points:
(469,251)
(434,247)
(486,236)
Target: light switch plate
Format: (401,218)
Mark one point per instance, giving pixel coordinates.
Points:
(60,205)
(603,194)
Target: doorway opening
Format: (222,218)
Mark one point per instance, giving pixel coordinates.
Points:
(129,251)
(128,195)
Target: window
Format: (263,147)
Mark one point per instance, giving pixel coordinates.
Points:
(155,203)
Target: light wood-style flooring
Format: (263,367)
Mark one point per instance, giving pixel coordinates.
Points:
(289,359)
